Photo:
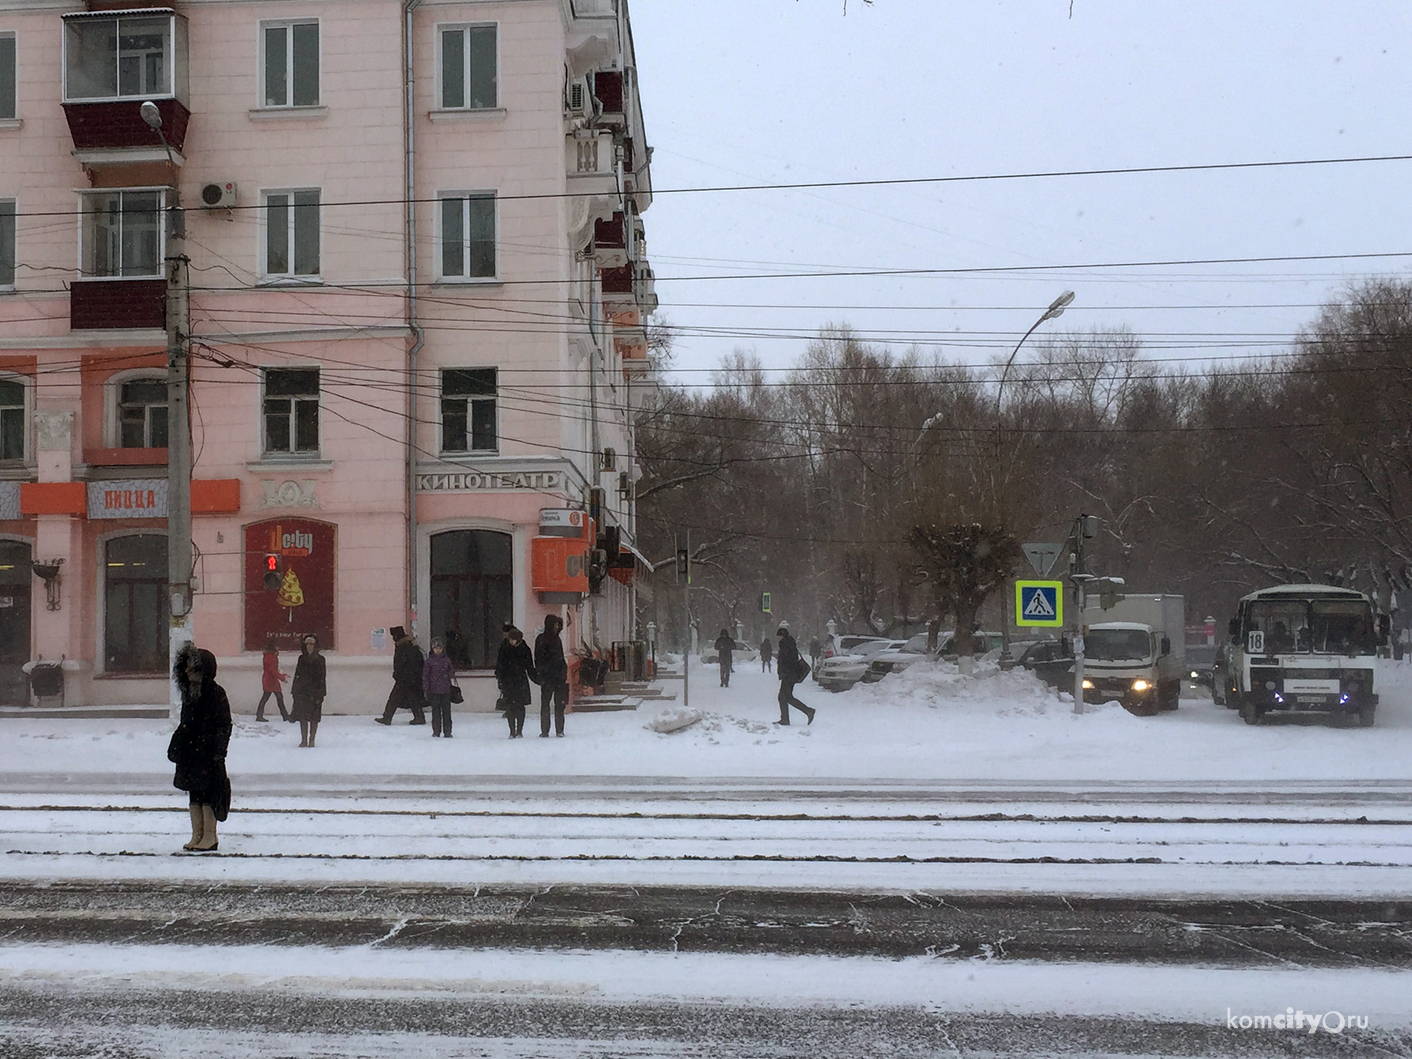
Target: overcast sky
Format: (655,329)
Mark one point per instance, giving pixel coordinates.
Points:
(780,91)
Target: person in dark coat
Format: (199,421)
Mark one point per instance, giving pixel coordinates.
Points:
(407,692)
(514,669)
(438,673)
(815,650)
(787,666)
(767,651)
(308,689)
(271,682)
(198,746)
(725,649)
(552,670)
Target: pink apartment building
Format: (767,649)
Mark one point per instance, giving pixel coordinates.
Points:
(417,294)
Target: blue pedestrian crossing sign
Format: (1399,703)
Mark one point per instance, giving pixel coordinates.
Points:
(1039,603)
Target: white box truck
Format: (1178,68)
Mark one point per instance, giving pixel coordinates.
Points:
(1134,651)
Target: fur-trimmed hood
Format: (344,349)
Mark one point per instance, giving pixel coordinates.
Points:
(207,666)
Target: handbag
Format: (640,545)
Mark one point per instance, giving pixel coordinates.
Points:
(456,696)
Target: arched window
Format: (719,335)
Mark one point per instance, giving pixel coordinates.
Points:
(472,593)
(135,604)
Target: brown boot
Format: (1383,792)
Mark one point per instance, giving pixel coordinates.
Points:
(313,731)
(196,827)
(208,831)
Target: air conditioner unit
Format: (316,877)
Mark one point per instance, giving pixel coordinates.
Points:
(625,485)
(218,196)
(580,101)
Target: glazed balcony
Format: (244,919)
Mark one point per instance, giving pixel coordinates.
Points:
(113,62)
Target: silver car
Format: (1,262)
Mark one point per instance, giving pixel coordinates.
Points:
(841,671)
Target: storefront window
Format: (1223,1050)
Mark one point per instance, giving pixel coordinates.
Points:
(15,581)
(472,593)
(135,604)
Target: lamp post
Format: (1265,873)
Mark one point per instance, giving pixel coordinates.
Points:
(1055,310)
(179,561)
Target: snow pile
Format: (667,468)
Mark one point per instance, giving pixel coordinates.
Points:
(989,690)
(677,720)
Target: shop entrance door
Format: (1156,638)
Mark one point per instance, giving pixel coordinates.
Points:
(16,578)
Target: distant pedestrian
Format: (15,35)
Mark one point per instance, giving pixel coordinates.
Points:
(308,689)
(438,672)
(553,672)
(815,650)
(514,669)
(767,651)
(198,746)
(725,650)
(790,670)
(270,680)
(406,694)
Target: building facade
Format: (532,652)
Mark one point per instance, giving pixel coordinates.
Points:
(417,291)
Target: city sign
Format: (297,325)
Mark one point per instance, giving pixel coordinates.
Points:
(1042,556)
(1039,603)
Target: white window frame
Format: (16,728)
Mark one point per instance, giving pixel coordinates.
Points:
(14,78)
(261,102)
(289,276)
(464,29)
(14,247)
(113,398)
(291,454)
(173,56)
(85,194)
(442,398)
(463,196)
(27,404)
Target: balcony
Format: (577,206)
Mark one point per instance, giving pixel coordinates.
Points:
(117,304)
(113,61)
(590,160)
(608,89)
(610,242)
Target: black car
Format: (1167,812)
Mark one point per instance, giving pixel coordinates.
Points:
(1199,660)
(1050,660)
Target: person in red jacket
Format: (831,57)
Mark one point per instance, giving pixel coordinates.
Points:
(270,680)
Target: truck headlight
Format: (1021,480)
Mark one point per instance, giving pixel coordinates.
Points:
(1141,685)
(1088,685)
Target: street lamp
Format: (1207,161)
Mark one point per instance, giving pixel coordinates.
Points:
(1056,309)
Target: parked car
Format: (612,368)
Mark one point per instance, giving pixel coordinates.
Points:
(840,672)
(1050,660)
(1010,657)
(847,644)
(743,653)
(895,659)
(982,643)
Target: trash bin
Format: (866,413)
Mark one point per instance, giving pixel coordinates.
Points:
(46,680)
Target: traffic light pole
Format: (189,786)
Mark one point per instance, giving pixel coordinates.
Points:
(179,551)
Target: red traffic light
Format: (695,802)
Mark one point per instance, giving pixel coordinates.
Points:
(272,578)
(272,563)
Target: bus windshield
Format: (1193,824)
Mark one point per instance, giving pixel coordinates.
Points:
(1321,626)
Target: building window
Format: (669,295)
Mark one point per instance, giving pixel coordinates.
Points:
(121,233)
(468,67)
(7,242)
(291,64)
(142,414)
(16,579)
(472,593)
(292,410)
(292,233)
(135,604)
(468,236)
(468,410)
(118,58)
(7,76)
(12,420)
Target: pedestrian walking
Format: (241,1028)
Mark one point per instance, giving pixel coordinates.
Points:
(308,689)
(767,651)
(270,680)
(438,673)
(815,650)
(790,668)
(553,672)
(725,651)
(514,669)
(407,693)
(198,746)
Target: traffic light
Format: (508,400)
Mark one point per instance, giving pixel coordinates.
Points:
(274,572)
(683,565)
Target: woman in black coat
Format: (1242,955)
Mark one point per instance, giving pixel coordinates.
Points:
(198,746)
(514,669)
(308,690)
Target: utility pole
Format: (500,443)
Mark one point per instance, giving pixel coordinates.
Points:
(684,563)
(1085,526)
(179,561)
